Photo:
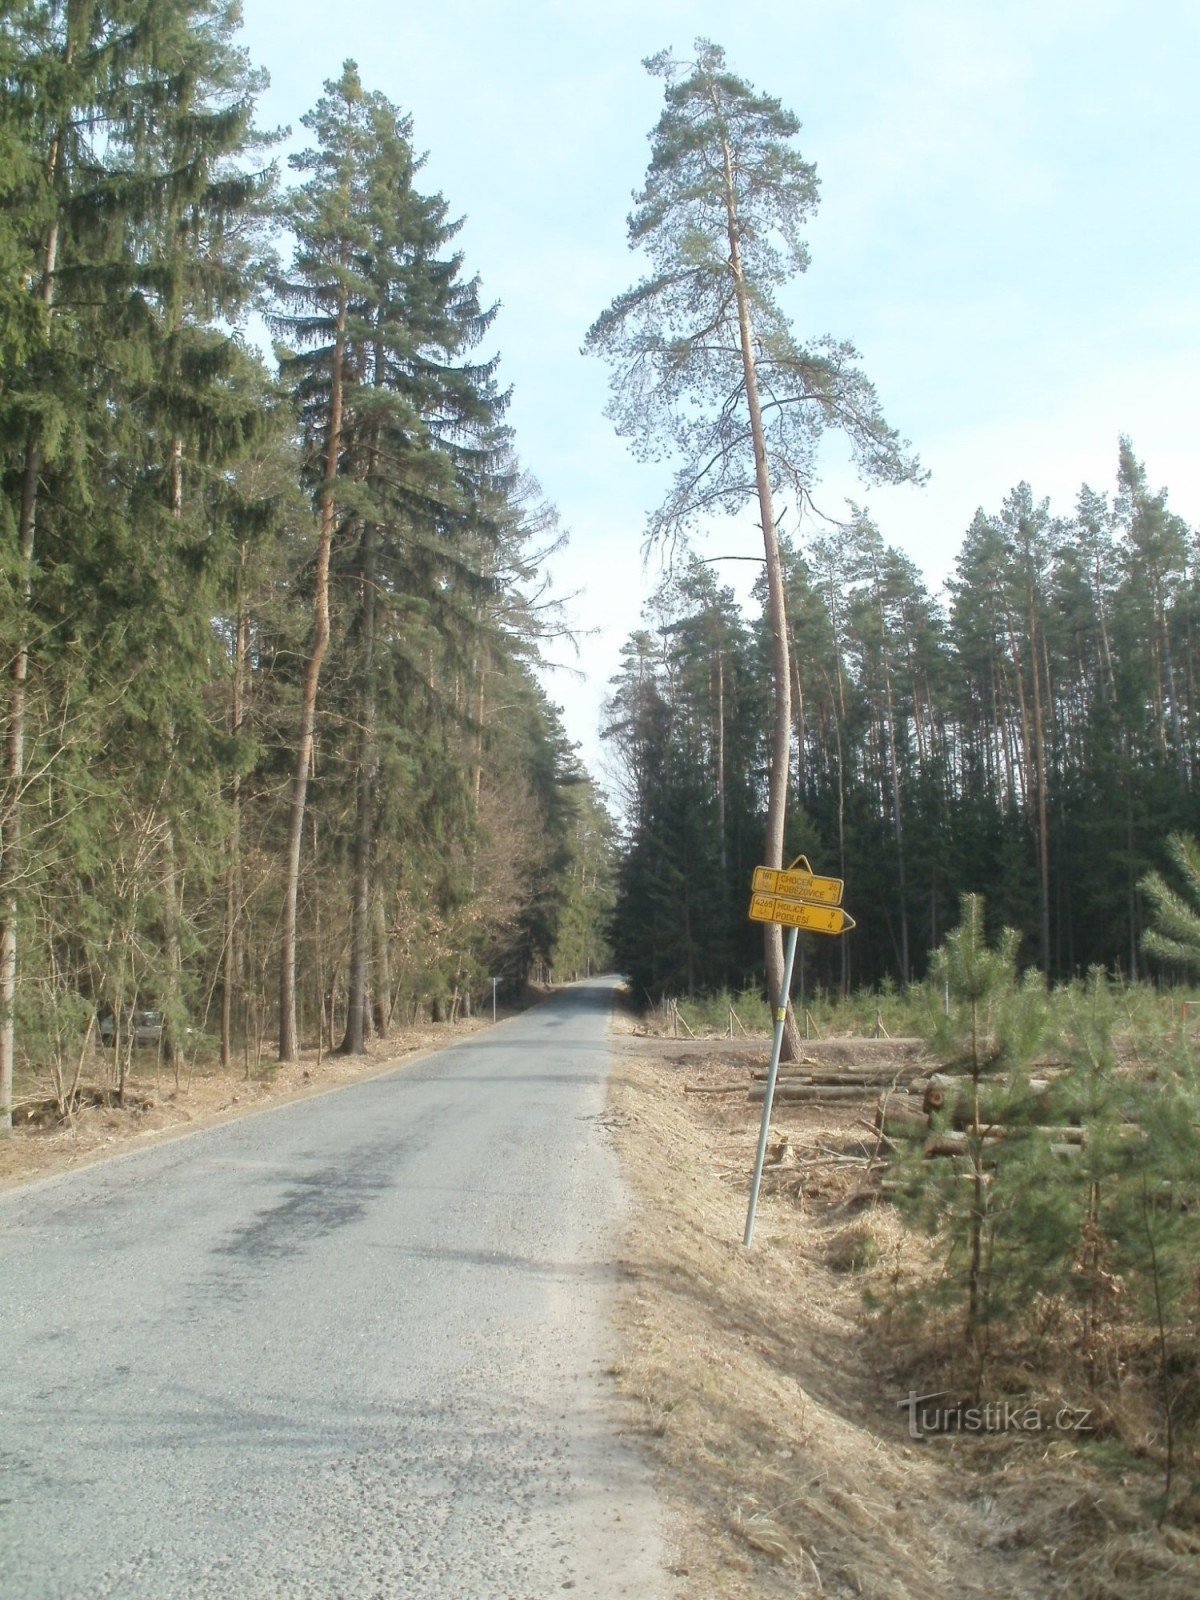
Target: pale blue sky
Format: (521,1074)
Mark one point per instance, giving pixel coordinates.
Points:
(1009,231)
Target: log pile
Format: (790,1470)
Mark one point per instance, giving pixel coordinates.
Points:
(892,1078)
(834,1071)
(903,1099)
(968,1119)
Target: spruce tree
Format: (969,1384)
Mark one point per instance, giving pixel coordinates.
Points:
(328,215)
(136,129)
(403,426)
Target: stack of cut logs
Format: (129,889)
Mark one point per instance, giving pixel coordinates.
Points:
(832,1070)
(893,1076)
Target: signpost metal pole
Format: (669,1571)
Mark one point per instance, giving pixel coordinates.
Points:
(776,1051)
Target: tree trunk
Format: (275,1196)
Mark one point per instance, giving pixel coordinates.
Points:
(288,1041)
(801,723)
(171,916)
(233,865)
(839,722)
(721,757)
(1043,816)
(10,815)
(10,820)
(357,1018)
(781,733)
(385,1000)
(897,813)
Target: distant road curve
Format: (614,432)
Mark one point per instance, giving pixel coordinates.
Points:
(349,1348)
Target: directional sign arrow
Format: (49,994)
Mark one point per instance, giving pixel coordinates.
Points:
(798,883)
(799,914)
(815,919)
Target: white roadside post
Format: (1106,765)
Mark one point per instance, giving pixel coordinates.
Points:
(776,1051)
(494,982)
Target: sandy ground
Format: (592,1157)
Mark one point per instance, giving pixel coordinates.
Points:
(771,1401)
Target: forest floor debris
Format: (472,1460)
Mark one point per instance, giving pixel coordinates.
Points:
(777,1414)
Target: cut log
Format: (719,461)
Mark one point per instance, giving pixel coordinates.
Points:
(993,1130)
(871,1079)
(813,1093)
(956,1096)
(948,1143)
(899,1118)
(957,1142)
(802,1067)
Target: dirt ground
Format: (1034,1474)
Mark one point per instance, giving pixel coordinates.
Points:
(774,1408)
(156,1108)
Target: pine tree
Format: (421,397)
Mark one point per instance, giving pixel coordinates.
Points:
(989,1038)
(1175,934)
(705,363)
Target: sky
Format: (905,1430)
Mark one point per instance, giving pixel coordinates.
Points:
(1009,232)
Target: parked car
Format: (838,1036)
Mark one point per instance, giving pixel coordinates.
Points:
(145,1026)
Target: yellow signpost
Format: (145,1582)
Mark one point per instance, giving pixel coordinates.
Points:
(797,882)
(799,914)
(797,898)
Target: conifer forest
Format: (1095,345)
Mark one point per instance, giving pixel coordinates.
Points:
(1031,736)
(283,779)
(277,761)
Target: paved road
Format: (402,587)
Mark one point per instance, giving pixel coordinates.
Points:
(353,1347)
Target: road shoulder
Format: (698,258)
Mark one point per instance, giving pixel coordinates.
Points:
(771,1411)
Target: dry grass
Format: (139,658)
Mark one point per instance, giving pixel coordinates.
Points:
(772,1404)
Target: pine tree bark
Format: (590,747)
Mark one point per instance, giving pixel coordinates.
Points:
(781,733)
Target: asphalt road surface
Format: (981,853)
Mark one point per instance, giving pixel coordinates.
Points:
(351,1347)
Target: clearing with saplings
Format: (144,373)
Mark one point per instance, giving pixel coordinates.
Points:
(961,1356)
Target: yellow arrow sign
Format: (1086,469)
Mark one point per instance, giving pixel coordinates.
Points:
(799,914)
(798,882)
